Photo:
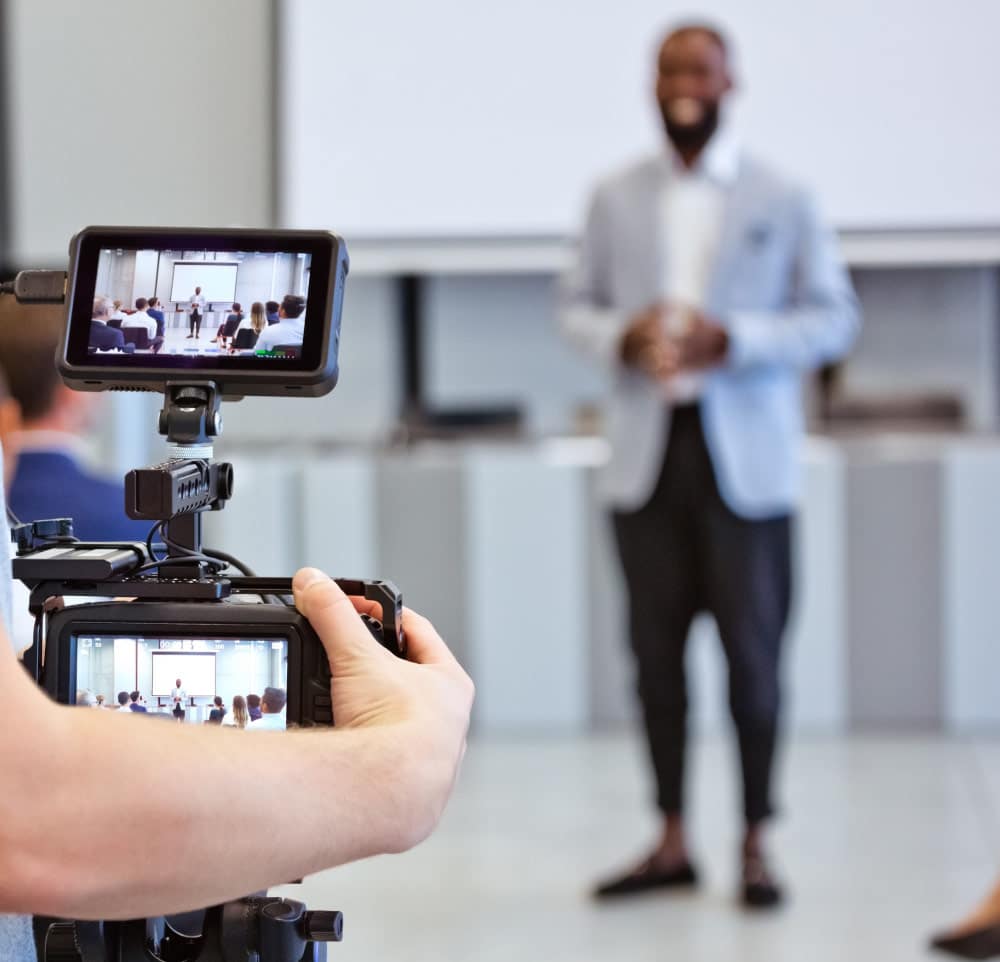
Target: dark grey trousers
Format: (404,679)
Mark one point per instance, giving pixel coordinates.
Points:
(685,552)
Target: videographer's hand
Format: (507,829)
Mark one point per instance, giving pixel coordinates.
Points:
(420,706)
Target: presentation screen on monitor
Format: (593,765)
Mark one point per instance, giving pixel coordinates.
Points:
(216,279)
(196,669)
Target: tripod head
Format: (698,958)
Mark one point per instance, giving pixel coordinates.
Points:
(252,929)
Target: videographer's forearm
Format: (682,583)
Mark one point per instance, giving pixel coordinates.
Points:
(258,809)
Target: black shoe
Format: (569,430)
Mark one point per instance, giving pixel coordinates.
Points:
(760,890)
(646,877)
(977,944)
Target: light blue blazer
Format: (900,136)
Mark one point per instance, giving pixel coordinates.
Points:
(779,287)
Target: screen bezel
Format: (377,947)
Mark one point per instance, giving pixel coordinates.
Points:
(314,372)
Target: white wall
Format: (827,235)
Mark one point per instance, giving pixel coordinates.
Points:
(136,113)
(471,119)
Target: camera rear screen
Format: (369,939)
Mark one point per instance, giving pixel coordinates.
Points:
(179,679)
(153,305)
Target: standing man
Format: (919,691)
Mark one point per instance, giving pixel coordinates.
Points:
(197,307)
(708,285)
(179,697)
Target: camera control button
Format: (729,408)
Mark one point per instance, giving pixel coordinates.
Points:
(323,715)
(322,701)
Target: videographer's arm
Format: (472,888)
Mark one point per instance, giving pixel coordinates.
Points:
(109,816)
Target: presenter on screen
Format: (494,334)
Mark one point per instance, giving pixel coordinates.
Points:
(179,698)
(197,310)
(707,285)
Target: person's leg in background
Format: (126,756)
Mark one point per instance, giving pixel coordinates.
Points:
(977,936)
(749,590)
(657,555)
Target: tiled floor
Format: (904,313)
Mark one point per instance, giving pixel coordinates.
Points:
(884,840)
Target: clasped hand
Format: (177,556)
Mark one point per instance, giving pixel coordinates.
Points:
(649,347)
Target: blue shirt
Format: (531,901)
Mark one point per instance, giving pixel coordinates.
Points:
(50,484)
(157,316)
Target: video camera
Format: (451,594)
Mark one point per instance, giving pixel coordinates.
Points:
(188,615)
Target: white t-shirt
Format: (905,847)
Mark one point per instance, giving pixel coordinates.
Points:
(287,331)
(268,722)
(141,319)
(692,208)
(198,303)
(181,694)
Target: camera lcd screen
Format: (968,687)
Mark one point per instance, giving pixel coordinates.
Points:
(179,679)
(255,311)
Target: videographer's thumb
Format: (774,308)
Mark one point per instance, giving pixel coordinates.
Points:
(333,615)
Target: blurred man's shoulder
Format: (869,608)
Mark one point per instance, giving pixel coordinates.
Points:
(627,176)
(769,179)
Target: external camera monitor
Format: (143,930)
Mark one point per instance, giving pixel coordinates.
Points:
(255,312)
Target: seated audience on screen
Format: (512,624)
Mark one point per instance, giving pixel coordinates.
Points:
(216,715)
(136,703)
(85,697)
(271,309)
(239,717)
(124,703)
(253,325)
(288,330)
(155,311)
(50,479)
(228,327)
(116,314)
(103,337)
(141,318)
(253,707)
(272,706)
(100,702)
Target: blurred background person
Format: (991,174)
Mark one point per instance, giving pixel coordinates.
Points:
(709,338)
(50,479)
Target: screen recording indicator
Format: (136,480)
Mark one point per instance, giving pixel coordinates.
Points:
(240,683)
(199,304)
